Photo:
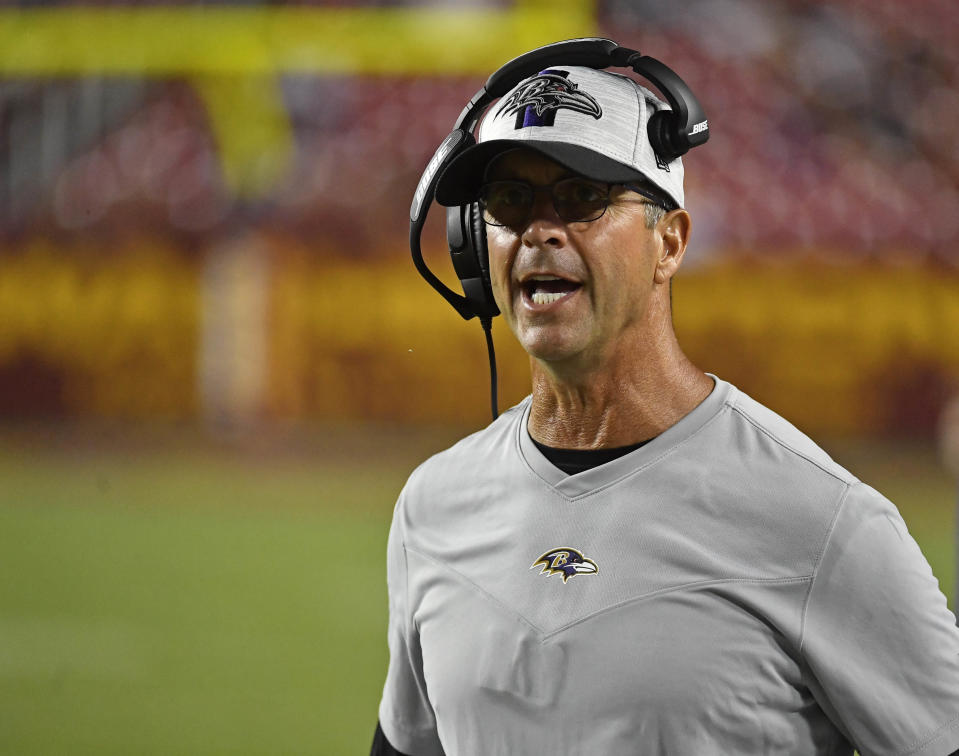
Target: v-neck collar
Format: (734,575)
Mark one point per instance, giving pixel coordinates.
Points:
(589,481)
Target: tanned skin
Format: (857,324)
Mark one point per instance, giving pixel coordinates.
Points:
(607,370)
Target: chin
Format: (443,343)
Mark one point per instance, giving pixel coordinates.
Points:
(549,346)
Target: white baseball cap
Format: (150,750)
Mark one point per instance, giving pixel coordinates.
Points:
(591,121)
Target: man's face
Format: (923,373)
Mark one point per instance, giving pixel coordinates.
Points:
(602,270)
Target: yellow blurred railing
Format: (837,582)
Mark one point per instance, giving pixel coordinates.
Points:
(838,350)
(118,326)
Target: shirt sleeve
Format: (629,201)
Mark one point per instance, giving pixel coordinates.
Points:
(878,637)
(406,715)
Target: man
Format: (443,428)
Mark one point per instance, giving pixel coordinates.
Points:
(639,558)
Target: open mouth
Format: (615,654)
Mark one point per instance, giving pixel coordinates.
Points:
(544,290)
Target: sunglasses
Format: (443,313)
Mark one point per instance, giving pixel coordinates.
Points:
(576,200)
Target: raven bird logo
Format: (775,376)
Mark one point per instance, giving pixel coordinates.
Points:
(544,95)
(566,562)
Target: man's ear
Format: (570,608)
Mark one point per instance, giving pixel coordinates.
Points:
(673,229)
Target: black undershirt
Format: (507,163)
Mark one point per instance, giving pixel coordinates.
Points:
(381,746)
(572,461)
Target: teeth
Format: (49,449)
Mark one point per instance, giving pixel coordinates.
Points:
(546,297)
(544,278)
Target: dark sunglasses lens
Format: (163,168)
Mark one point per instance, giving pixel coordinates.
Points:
(506,203)
(580,200)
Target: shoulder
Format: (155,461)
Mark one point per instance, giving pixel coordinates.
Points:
(449,483)
(762,432)
(471,455)
(782,491)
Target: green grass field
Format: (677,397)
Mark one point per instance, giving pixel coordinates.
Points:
(187,599)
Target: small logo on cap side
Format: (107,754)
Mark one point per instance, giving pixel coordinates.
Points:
(566,562)
(535,102)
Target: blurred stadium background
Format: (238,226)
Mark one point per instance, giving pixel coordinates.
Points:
(217,364)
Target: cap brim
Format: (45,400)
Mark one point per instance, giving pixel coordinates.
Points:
(460,181)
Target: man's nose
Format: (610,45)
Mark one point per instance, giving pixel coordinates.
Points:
(544,227)
(543,202)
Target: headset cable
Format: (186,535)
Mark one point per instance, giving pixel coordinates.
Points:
(487,323)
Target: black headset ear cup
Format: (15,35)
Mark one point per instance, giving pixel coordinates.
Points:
(481,250)
(466,234)
(662,130)
(478,240)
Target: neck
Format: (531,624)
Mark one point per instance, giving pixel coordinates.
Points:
(632,396)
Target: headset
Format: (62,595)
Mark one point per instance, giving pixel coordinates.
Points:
(672,133)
